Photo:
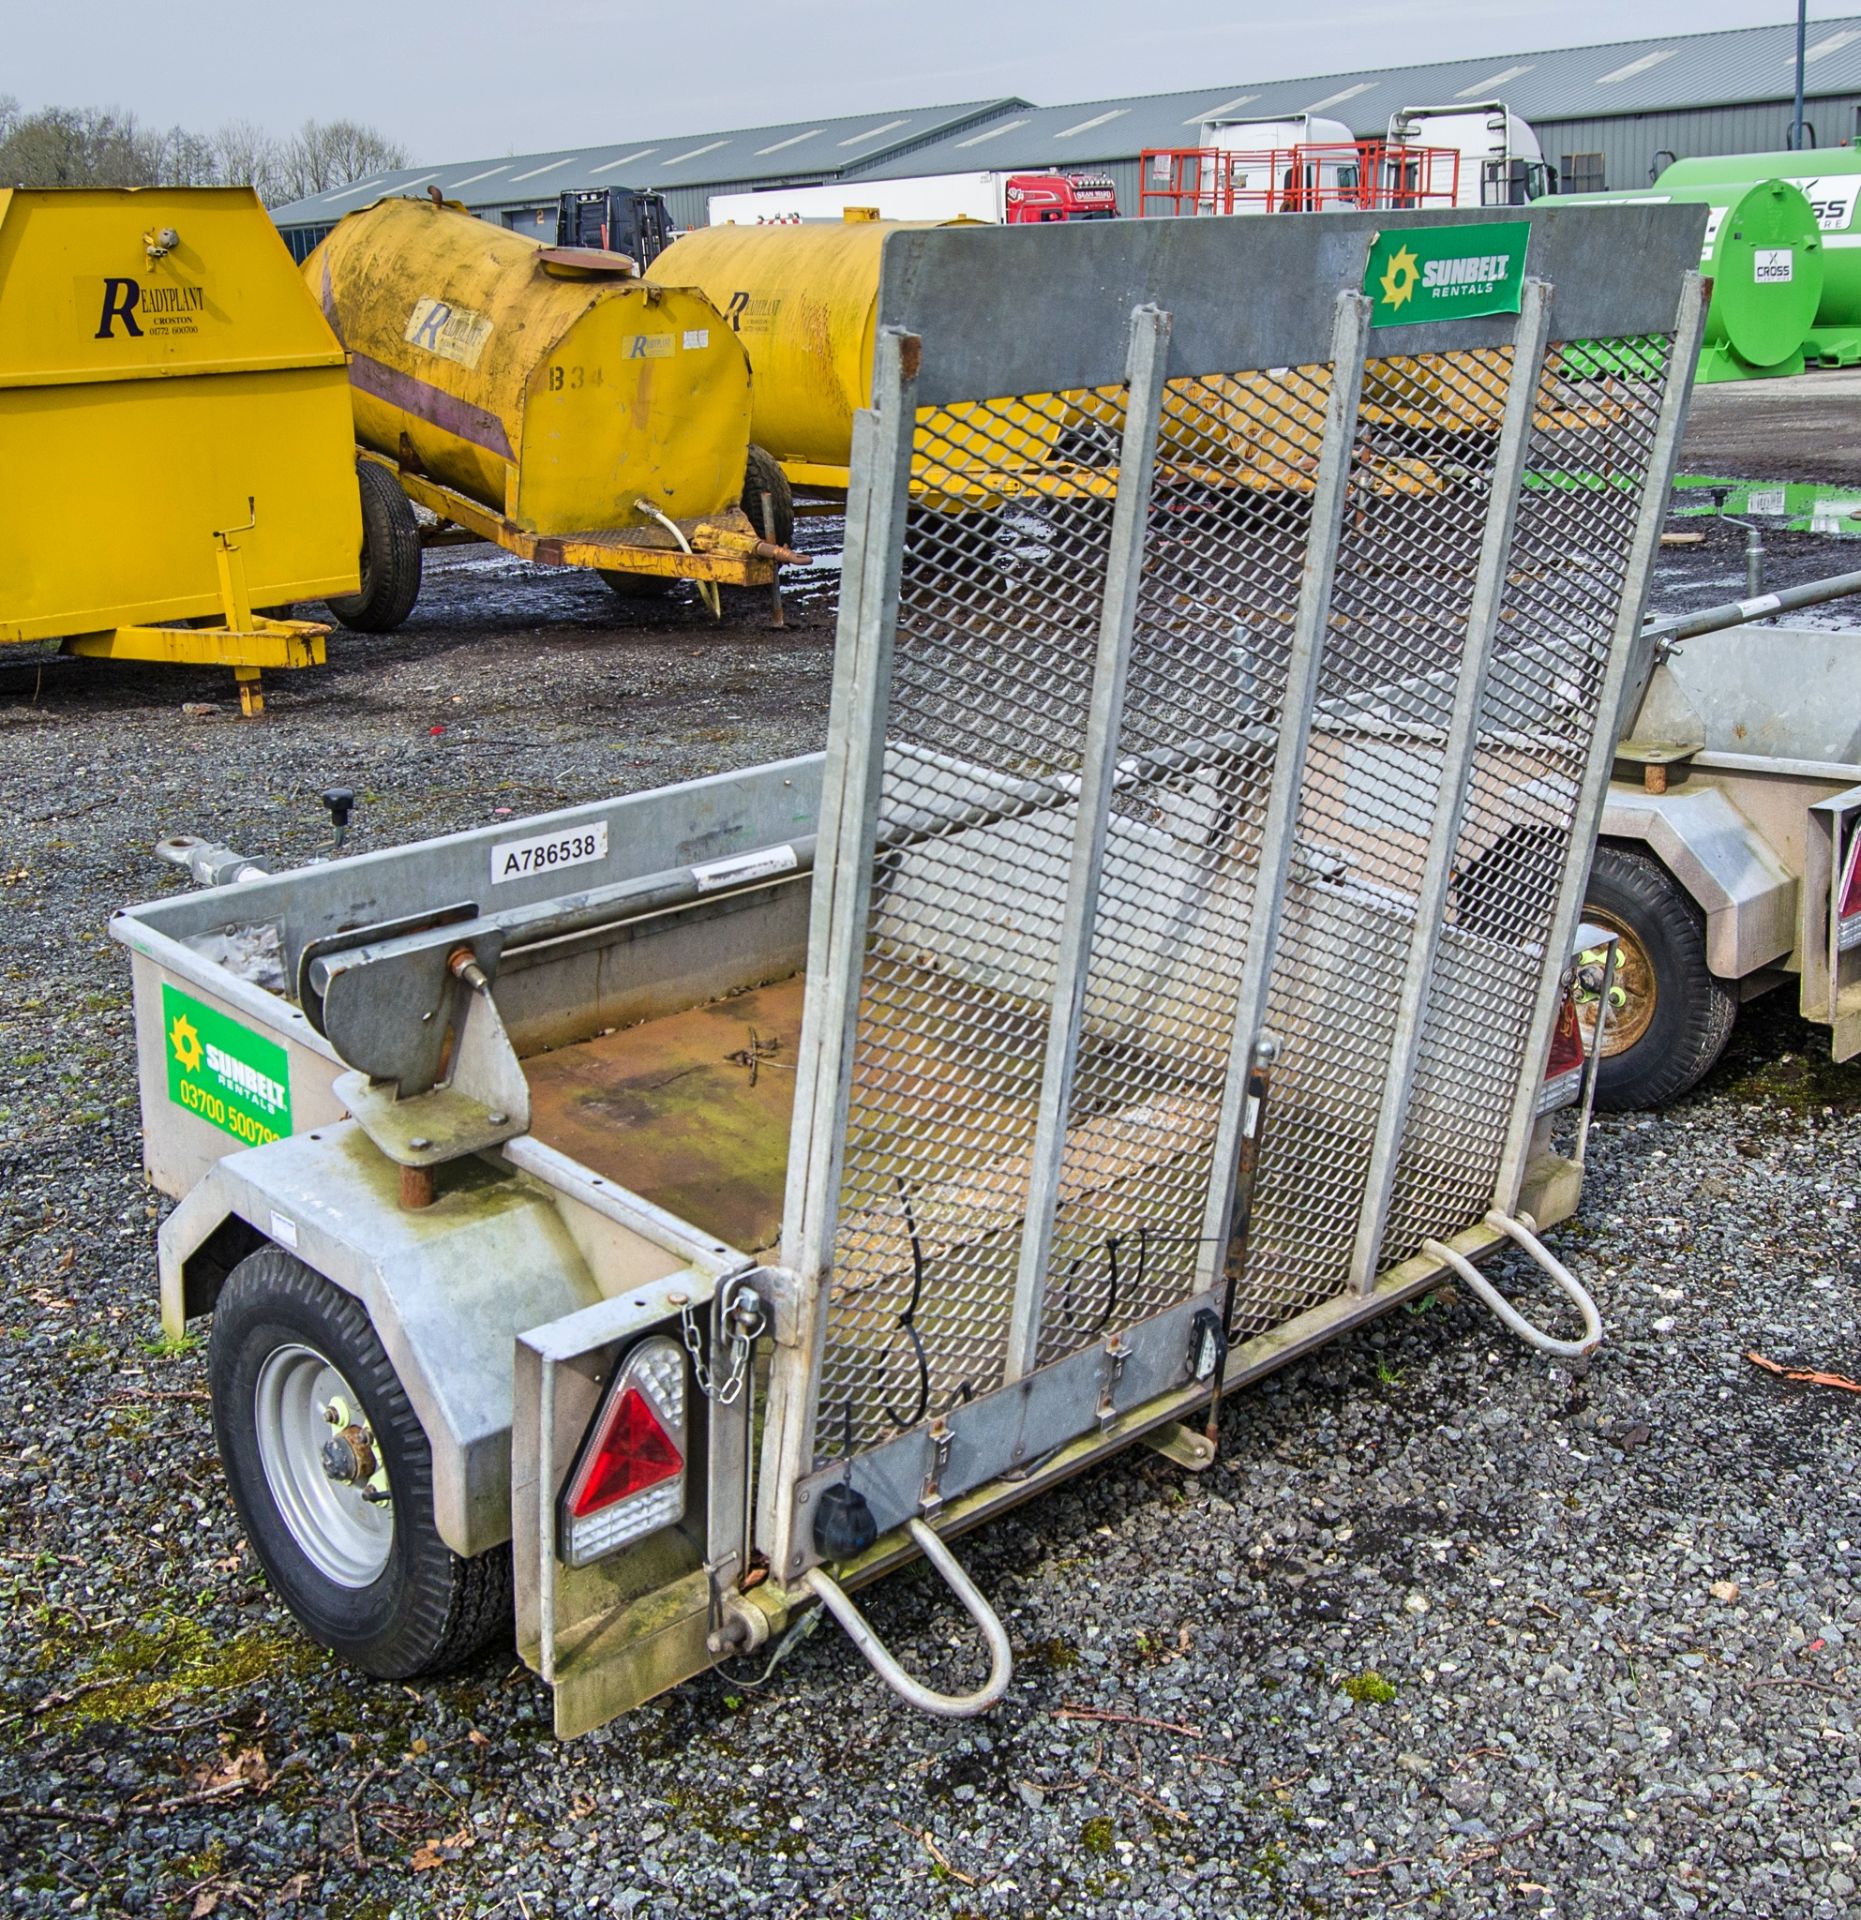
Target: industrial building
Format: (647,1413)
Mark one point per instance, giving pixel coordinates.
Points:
(1606,116)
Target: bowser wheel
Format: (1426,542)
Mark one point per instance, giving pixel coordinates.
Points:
(762,473)
(390,556)
(640,586)
(1672,1014)
(333,1477)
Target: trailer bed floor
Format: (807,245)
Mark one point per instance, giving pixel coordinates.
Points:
(690,1111)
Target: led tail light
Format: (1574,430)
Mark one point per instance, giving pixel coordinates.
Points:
(629,1479)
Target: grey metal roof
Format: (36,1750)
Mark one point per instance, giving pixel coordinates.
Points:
(809,149)
(1738,66)
(1735,67)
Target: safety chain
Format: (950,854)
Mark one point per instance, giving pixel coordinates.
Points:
(746,1318)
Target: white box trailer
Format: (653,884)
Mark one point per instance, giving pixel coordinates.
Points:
(1030,198)
(1305,160)
(651,1220)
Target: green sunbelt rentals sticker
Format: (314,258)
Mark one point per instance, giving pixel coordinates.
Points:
(233,1078)
(1446,273)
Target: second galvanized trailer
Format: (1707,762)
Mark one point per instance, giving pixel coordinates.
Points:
(1156,977)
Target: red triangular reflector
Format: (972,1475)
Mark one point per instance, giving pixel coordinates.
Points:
(633,1453)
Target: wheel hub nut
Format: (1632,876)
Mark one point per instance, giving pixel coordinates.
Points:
(348,1458)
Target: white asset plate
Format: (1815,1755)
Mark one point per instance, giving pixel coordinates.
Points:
(548,852)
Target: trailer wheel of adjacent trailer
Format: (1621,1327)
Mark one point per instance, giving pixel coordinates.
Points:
(1672,1015)
(333,1477)
(641,586)
(762,473)
(390,556)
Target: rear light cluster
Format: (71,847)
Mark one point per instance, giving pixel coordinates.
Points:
(630,1478)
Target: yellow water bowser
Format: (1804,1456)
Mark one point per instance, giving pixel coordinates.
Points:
(544,398)
(174,422)
(804,302)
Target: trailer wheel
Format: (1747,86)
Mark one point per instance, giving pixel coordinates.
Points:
(641,586)
(333,1477)
(390,556)
(763,474)
(1672,1015)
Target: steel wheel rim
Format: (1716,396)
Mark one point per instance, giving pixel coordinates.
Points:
(1633,1013)
(345,1537)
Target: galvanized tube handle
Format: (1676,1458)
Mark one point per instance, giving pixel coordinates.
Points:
(1493,1298)
(948,1706)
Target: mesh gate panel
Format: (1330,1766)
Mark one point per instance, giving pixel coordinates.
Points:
(1226,539)
(1024,1163)
(998,620)
(1588,460)
(1400,606)
(1004,571)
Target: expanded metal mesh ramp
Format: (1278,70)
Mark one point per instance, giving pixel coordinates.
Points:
(1292,719)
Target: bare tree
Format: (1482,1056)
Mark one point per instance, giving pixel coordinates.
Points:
(248,156)
(106,147)
(323,155)
(79,147)
(185,159)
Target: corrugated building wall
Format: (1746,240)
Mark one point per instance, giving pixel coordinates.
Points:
(1629,143)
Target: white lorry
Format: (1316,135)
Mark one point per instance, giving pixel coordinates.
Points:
(1501,163)
(1299,164)
(1001,199)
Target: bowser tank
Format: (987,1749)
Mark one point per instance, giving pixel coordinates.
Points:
(1829,178)
(803,301)
(1764,257)
(552,388)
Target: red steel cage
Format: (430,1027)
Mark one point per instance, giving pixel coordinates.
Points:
(1311,178)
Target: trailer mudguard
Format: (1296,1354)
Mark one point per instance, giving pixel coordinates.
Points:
(448,1287)
(1748,895)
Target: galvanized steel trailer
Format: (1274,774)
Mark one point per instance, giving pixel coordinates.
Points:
(1155,977)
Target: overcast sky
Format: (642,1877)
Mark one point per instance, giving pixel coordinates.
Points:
(455,79)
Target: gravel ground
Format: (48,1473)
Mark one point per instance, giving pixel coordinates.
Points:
(1447,1628)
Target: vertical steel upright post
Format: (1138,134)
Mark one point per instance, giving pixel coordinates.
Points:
(1124,567)
(1350,341)
(842,900)
(1629,658)
(1459,755)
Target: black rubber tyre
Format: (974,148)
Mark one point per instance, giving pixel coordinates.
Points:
(763,474)
(641,586)
(390,556)
(1678,1014)
(427,1609)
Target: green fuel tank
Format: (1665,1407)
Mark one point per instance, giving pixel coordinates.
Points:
(1829,178)
(1763,254)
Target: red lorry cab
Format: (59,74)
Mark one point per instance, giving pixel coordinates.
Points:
(1035,197)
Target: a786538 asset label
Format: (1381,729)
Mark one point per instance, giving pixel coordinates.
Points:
(549,852)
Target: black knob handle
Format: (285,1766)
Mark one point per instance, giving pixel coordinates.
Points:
(341,803)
